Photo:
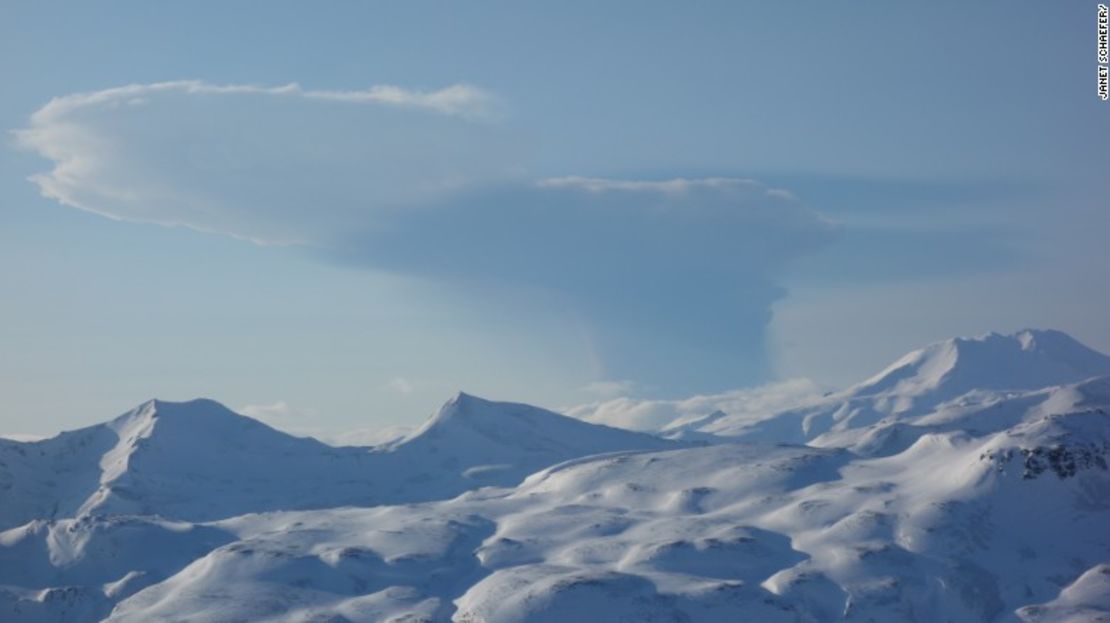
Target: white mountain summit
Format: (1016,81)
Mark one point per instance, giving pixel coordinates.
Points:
(955,373)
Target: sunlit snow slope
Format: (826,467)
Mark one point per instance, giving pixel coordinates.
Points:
(967,482)
(198,461)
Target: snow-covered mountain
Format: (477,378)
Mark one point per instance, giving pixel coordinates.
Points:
(959,372)
(199,461)
(967,482)
(1028,359)
(955,528)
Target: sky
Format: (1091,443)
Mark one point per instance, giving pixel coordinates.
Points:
(334,216)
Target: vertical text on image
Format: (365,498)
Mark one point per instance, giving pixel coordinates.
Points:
(1103,52)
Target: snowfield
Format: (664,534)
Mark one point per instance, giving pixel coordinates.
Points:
(967,482)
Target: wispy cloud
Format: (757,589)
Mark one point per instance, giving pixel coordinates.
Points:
(368,436)
(610,389)
(401,385)
(750,404)
(674,186)
(22,437)
(462,100)
(281,414)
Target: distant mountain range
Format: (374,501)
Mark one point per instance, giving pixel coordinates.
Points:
(199,461)
(960,375)
(968,481)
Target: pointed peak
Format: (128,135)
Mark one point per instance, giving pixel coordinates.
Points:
(462,398)
(469,412)
(465,404)
(458,405)
(461,401)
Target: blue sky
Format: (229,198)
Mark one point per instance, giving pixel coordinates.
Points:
(553,202)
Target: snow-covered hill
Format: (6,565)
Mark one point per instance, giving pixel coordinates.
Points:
(970,481)
(198,461)
(963,373)
(956,528)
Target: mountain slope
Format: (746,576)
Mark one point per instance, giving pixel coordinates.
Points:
(195,461)
(943,531)
(951,487)
(975,412)
(1029,359)
(965,371)
(498,443)
(199,461)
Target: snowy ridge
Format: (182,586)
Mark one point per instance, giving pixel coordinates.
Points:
(959,371)
(1029,359)
(199,461)
(712,533)
(483,434)
(954,486)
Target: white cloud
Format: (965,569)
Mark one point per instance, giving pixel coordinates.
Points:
(280,165)
(610,389)
(22,437)
(368,436)
(400,385)
(459,99)
(750,404)
(280,414)
(676,185)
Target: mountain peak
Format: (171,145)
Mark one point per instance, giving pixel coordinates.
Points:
(458,406)
(196,406)
(482,431)
(1026,359)
(472,411)
(463,399)
(140,421)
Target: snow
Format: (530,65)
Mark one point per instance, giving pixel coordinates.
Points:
(199,461)
(961,372)
(1084,601)
(967,482)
